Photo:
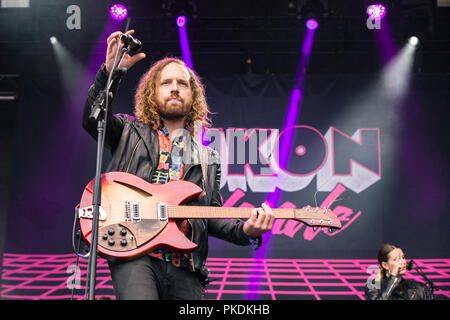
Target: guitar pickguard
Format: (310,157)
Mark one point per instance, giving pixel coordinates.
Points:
(129,235)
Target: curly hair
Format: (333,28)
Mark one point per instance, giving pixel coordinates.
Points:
(146,109)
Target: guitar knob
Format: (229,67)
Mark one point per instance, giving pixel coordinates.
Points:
(314,229)
(123,242)
(111,231)
(105,237)
(123,232)
(111,242)
(330,230)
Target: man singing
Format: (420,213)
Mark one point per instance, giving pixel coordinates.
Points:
(158,144)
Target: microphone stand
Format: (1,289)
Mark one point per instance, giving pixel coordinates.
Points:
(99,113)
(428,281)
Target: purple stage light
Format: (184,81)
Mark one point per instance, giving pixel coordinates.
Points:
(118,12)
(181,21)
(312,24)
(184,41)
(376,11)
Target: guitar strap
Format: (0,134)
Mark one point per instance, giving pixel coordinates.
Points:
(204,164)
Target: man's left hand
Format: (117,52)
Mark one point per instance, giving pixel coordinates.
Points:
(260,221)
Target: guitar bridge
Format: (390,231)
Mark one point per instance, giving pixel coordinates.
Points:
(162,211)
(127,211)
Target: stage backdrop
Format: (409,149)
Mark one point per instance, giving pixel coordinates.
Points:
(382,167)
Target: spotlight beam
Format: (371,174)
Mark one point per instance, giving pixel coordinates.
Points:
(386,93)
(68,66)
(184,41)
(290,120)
(294,107)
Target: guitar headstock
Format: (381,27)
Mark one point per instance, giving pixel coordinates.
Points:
(317,217)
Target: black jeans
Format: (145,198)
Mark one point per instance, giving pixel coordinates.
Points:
(149,278)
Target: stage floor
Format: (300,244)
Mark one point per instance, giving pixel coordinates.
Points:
(44,277)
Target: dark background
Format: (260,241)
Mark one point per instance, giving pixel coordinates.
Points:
(247,53)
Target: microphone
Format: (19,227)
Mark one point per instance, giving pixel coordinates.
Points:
(410,265)
(134,44)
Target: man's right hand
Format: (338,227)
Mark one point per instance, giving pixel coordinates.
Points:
(128,61)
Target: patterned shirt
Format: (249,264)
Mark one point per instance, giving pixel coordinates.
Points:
(170,168)
(170,165)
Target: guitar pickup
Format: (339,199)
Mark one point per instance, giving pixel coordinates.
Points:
(135,212)
(88,213)
(162,211)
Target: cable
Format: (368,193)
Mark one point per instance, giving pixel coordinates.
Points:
(77,251)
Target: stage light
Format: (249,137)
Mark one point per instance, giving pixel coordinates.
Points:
(376,11)
(53,40)
(414,41)
(181,21)
(118,12)
(312,24)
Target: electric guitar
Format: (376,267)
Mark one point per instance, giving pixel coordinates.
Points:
(136,217)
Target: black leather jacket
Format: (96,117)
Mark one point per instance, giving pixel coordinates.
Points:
(135,149)
(394,288)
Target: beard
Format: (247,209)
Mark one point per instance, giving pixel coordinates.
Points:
(173,110)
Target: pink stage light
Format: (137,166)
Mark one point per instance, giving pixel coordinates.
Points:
(181,21)
(376,11)
(312,24)
(118,12)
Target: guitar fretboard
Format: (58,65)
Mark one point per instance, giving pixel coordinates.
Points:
(199,212)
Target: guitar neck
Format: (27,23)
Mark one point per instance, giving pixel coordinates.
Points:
(309,216)
(200,212)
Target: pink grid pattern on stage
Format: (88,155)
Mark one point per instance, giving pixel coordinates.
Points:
(41,277)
